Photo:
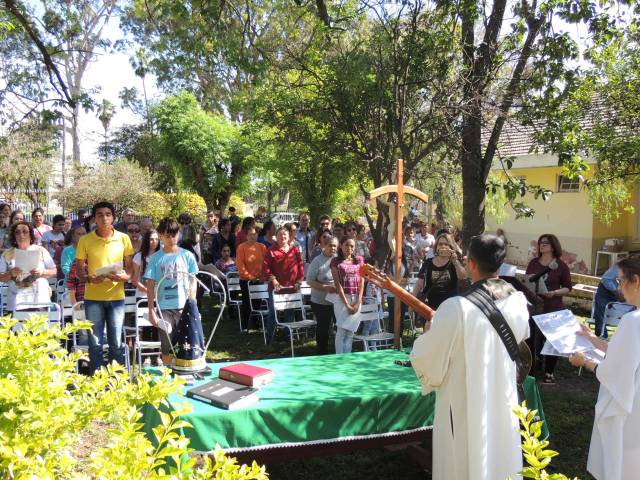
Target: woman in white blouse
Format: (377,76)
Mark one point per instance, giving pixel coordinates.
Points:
(29,287)
(615,446)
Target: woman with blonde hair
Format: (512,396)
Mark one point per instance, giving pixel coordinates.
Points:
(439,276)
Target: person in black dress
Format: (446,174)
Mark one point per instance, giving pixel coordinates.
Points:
(439,276)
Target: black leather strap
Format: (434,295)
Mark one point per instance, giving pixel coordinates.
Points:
(482,299)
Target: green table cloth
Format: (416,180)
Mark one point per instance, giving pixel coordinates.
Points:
(317,398)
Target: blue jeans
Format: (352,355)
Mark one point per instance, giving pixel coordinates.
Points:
(289,316)
(111,314)
(344,340)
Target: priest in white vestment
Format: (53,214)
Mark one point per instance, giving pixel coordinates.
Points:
(475,433)
(615,442)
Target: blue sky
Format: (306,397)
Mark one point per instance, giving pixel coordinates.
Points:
(110,72)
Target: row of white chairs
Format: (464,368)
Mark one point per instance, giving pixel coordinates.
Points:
(299,303)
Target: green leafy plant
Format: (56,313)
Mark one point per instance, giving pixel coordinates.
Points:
(535,451)
(58,424)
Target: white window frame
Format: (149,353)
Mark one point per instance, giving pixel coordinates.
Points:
(571,186)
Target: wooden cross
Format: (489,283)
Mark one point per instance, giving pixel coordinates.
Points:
(400,190)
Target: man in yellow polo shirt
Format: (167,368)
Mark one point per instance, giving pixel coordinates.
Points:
(103,260)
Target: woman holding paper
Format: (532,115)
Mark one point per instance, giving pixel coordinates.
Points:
(345,271)
(553,281)
(26,266)
(615,450)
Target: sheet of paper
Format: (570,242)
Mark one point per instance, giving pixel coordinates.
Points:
(547,349)
(594,354)
(560,329)
(106,270)
(27,260)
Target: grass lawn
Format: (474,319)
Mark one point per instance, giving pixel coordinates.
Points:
(568,407)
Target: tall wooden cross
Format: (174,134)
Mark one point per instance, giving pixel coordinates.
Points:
(400,190)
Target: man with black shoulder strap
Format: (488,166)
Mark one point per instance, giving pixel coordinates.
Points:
(469,359)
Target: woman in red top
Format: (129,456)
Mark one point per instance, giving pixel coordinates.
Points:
(557,282)
(284,270)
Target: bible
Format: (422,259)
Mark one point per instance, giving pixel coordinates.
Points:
(245,374)
(223,394)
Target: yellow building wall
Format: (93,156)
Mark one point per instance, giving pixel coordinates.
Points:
(567,215)
(633,223)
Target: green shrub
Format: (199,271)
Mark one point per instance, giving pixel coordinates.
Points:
(535,451)
(49,415)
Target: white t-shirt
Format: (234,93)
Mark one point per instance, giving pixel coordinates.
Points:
(425,244)
(137,260)
(51,236)
(40,231)
(37,291)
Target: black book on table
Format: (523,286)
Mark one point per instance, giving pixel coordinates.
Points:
(223,394)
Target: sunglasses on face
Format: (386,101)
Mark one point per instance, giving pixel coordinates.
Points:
(619,281)
(22,232)
(134,230)
(543,243)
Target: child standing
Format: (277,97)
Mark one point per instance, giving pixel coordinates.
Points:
(345,270)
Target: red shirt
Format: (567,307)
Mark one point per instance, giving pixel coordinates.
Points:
(241,237)
(287,267)
(74,283)
(555,279)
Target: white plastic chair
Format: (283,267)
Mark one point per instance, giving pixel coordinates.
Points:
(291,301)
(614,311)
(76,315)
(143,348)
(4,295)
(259,294)
(66,308)
(61,289)
(53,284)
(305,291)
(234,299)
(129,300)
(382,339)
(22,312)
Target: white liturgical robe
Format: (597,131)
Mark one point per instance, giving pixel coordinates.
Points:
(615,442)
(475,433)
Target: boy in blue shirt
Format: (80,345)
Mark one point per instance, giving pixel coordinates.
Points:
(173,263)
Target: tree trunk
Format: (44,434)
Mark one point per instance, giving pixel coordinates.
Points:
(380,234)
(438,198)
(75,136)
(222,200)
(473,178)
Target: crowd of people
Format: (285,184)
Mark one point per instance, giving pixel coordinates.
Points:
(327,256)
(95,257)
